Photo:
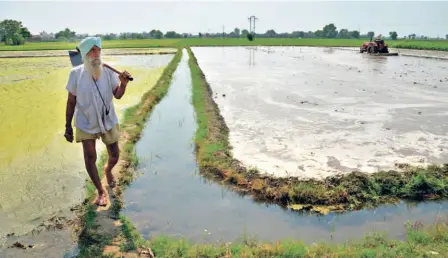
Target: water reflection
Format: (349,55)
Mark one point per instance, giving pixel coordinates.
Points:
(252,52)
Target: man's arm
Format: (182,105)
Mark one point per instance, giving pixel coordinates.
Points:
(70,110)
(120,90)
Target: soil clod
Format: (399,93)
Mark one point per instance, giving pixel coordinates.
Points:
(20,246)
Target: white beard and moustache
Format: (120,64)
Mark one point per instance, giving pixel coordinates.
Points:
(94,66)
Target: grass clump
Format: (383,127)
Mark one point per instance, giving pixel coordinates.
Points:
(425,185)
(91,243)
(131,236)
(308,192)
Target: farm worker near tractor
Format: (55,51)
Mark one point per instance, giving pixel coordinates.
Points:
(91,88)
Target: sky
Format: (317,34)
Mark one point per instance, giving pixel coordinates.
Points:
(422,17)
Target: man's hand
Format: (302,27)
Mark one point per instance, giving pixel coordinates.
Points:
(68,133)
(124,78)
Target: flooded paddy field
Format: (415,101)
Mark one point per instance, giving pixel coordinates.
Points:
(109,52)
(315,112)
(42,175)
(169,197)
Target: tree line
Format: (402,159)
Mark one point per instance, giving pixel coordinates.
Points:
(14,33)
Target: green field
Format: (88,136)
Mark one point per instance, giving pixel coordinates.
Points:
(146,43)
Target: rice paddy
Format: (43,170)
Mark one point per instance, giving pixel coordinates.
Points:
(188,42)
(41,173)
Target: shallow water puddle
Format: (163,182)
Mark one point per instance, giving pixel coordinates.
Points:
(42,175)
(170,197)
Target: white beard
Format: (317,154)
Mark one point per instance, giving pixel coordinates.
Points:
(93,66)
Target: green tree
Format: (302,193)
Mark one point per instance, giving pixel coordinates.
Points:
(270,34)
(17,39)
(13,33)
(393,35)
(343,34)
(157,34)
(244,33)
(136,35)
(237,32)
(26,34)
(310,34)
(110,36)
(354,34)
(319,34)
(446,36)
(172,34)
(370,35)
(298,34)
(330,31)
(124,36)
(65,34)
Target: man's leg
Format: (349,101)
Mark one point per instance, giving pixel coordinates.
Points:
(114,155)
(90,162)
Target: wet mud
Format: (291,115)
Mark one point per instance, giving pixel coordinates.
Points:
(52,238)
(316,112)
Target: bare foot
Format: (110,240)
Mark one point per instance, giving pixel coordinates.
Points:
(110,178)
(101,199)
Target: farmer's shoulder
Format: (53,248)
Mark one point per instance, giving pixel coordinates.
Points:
(76,72)
(77,69)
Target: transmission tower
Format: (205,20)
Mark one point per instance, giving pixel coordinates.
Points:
(252,26)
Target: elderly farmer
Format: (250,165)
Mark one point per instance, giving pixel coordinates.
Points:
(91,88)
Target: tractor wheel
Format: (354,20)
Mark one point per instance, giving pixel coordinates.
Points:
(361,51)
(385,50)
(371,49)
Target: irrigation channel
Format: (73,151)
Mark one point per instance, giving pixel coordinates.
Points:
(169,196)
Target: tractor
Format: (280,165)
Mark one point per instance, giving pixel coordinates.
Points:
(377,46)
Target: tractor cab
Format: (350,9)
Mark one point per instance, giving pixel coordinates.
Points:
(377,46)
(379,43)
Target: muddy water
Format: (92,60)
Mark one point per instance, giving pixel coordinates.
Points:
(41,175)
(313,112)
(169,197)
